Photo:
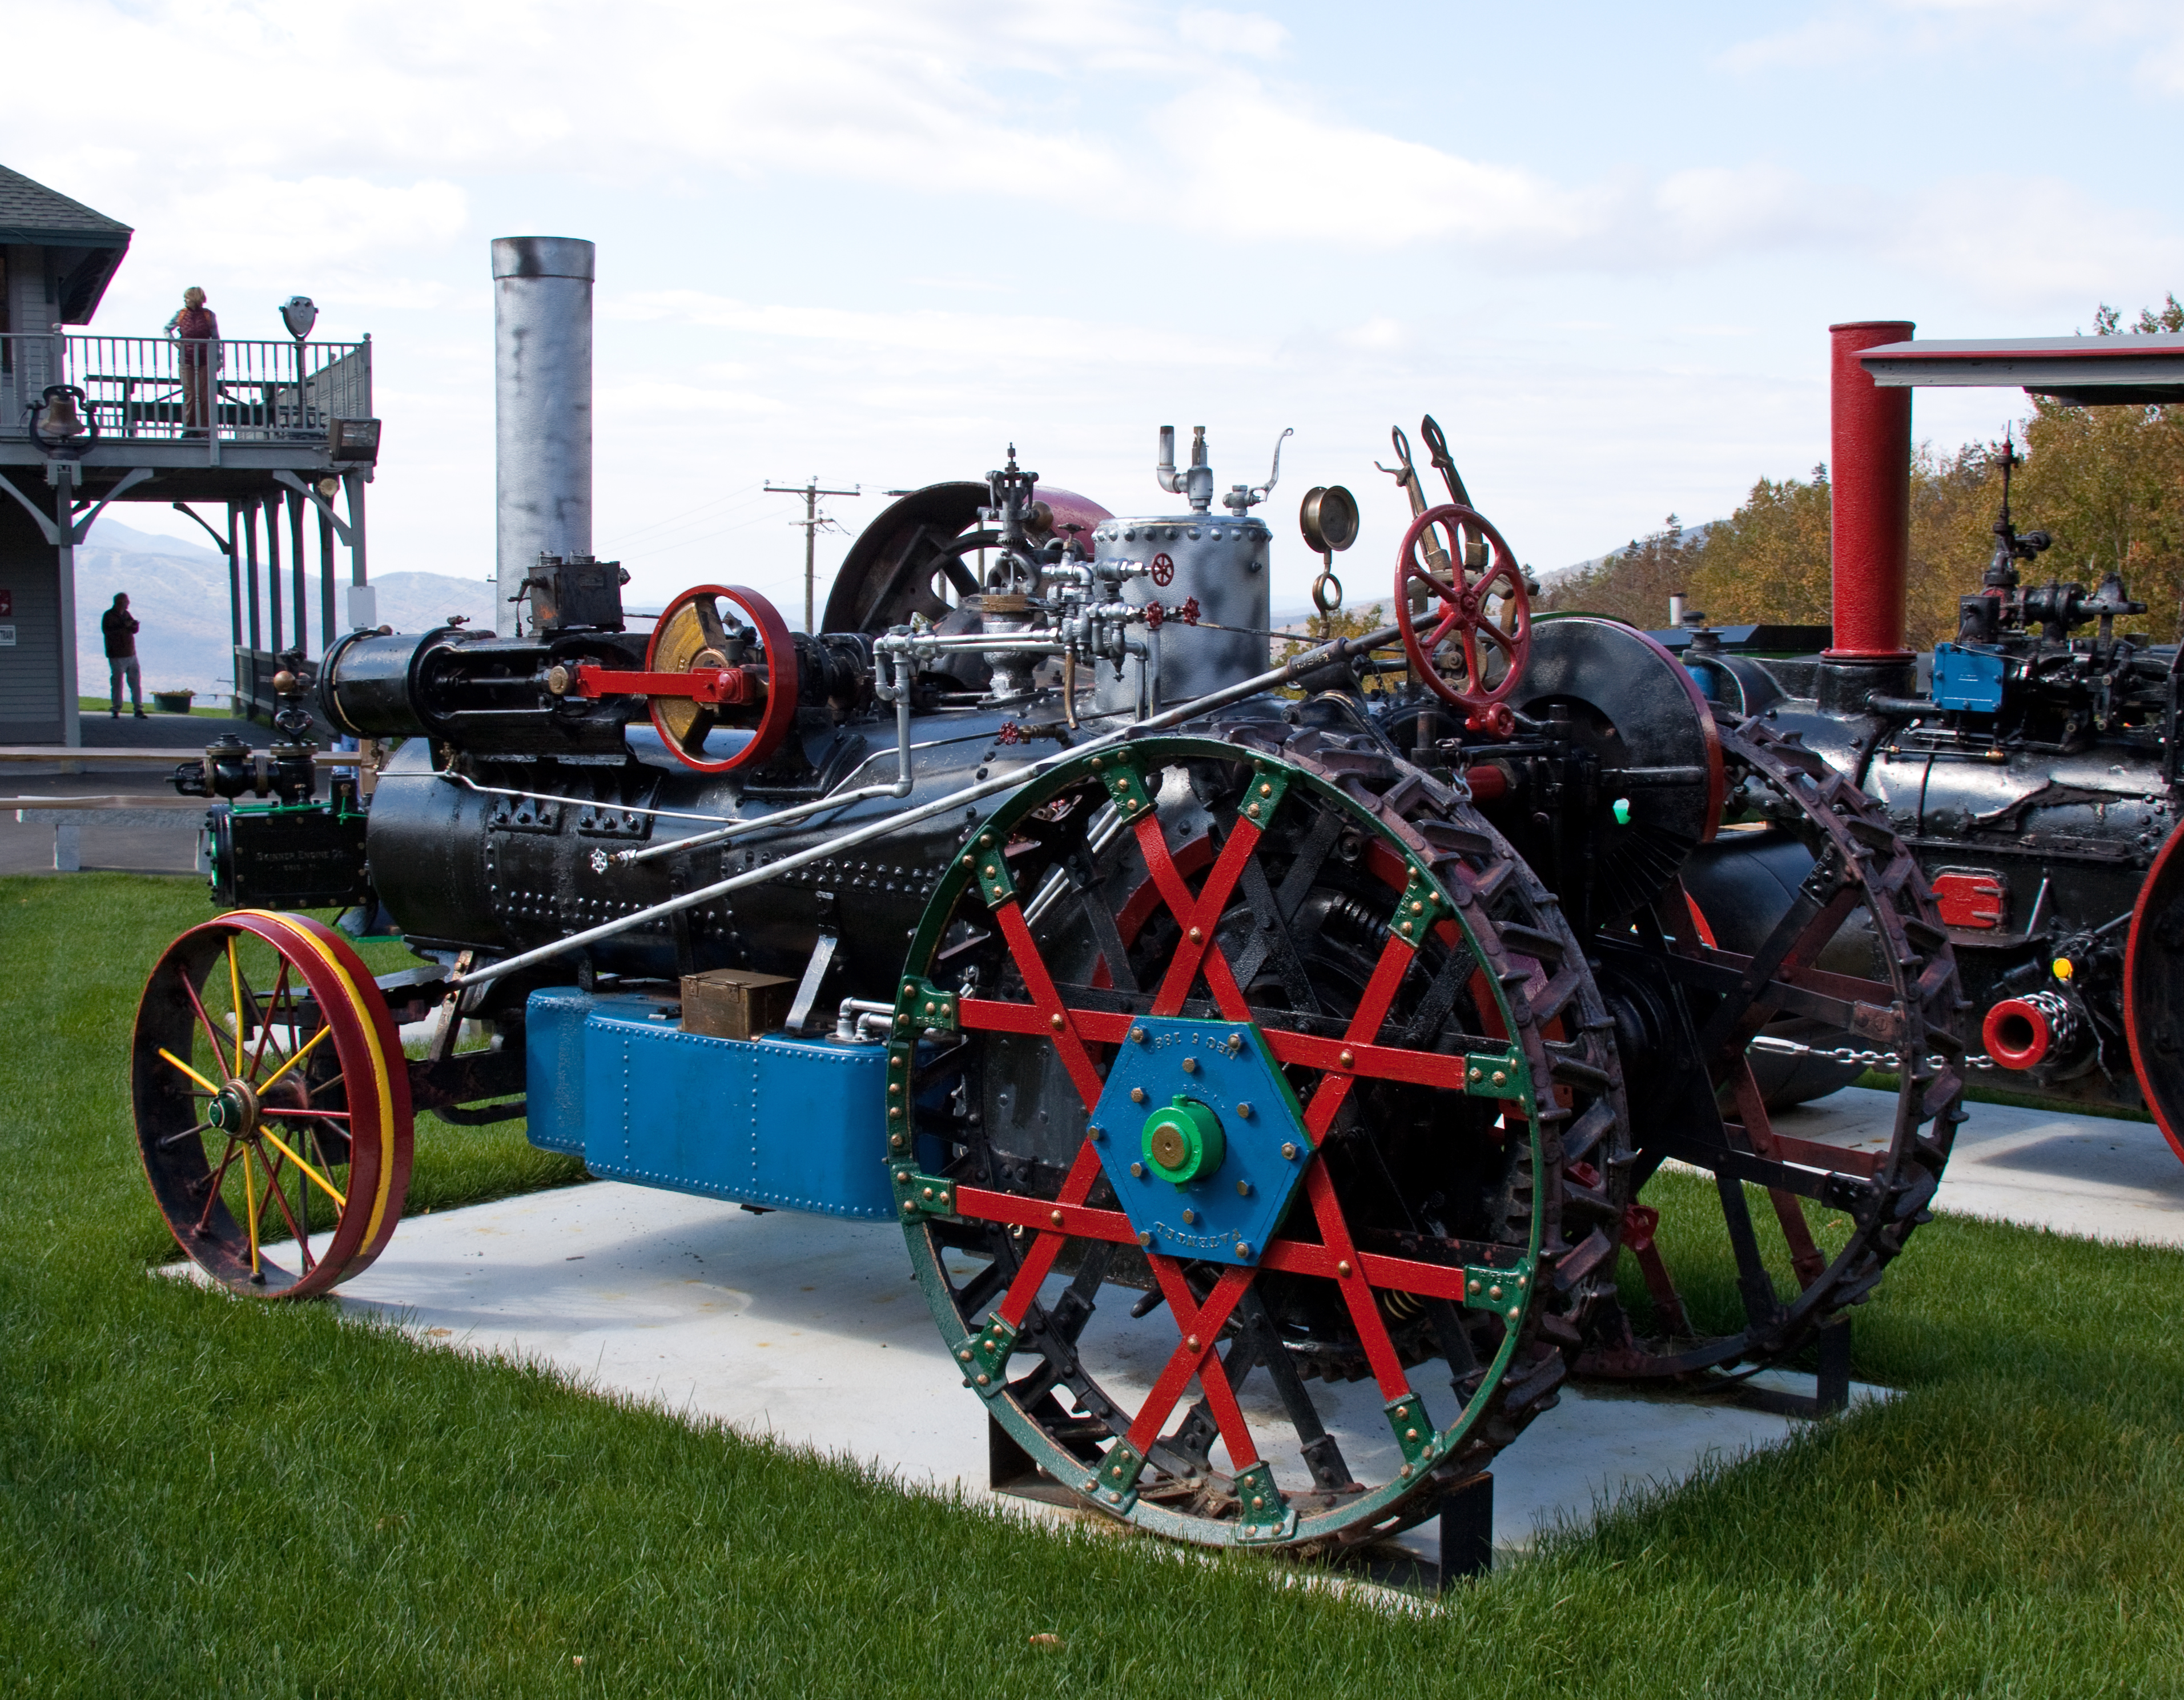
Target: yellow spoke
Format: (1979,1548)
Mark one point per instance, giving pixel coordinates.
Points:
(265,1084)
(189,1071)
(235,993)
(323,1184)
(250,1209)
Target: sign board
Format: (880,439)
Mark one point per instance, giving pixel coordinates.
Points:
(7,603)
(7,636)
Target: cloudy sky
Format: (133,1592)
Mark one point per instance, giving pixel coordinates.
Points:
(879,243)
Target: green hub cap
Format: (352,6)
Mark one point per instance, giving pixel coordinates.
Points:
(230,1110)
(1183,1142)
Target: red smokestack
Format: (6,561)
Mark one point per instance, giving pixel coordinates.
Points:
(1870,483)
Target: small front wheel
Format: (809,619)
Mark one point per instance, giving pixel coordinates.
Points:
(272,1103)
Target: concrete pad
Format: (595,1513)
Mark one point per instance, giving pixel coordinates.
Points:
(2092,1176)
(813,1331)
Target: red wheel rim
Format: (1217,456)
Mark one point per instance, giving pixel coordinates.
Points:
(1463,615)
(780,679)
(309,1068)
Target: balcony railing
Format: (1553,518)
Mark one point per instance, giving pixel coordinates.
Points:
(140,389)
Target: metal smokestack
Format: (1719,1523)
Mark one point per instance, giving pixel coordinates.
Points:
(1870,488)
(542,381)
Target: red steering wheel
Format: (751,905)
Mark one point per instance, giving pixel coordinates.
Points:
(690,638)
(1468,620)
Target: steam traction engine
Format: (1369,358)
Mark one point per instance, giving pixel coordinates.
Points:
(2034,772)
(1265,1083)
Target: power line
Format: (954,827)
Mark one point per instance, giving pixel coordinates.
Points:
(811,521)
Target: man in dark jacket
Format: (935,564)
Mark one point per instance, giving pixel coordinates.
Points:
(118,627)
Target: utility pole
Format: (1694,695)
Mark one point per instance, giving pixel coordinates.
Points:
(811,521)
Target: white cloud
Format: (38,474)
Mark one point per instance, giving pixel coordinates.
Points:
(1232,32)
(1376,336)
(960,342)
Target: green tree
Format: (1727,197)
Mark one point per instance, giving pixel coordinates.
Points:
(2106,482)
(1634,583)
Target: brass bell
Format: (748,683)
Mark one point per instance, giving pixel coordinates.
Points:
(60,418)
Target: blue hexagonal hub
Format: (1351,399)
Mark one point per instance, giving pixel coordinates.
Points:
(1228,1213)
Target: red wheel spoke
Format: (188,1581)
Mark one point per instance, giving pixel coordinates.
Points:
(1048,1002)
(265,1019)
(211,1033)
(218,1178)
(1440,633)
(1175,892)
(1202,1323)
(274,1195)
(1204,915)
(1078,1221)
(1327,1097)
(1356,1290)
(1039,1262)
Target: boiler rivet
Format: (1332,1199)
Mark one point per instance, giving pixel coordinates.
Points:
(1289,1151)
(1137,1095)
(1197,936)
(1342,1268)
(1055,1021)
(1054,1217)
(1349,1059)
(1499,1078)
(1190,1216)
(1245,1111)
(1137,1169)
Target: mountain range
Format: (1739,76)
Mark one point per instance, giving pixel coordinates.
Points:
(178,592)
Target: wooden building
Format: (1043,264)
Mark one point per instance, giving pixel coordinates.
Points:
(273,454)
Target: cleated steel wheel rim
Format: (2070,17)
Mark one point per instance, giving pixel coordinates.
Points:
(1232,1091)
(1795,1230)
(272,1103)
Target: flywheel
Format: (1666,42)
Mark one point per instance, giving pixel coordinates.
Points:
(1234,1084)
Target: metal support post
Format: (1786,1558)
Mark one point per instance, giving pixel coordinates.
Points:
(273,598)
(353,487)
(236,513)
(294,508)
(64,564)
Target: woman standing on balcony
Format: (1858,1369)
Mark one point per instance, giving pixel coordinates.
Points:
(198,328)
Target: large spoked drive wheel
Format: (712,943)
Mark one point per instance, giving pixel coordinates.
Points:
(272,1103)
(1859,961)
(1240,1091)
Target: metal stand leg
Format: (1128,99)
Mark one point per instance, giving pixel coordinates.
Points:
(1832,1394)
(1467,1531)
(1831,1389)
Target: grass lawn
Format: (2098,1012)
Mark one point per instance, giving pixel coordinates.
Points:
(203,1496)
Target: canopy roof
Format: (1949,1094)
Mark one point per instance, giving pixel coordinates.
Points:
(2087,371)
